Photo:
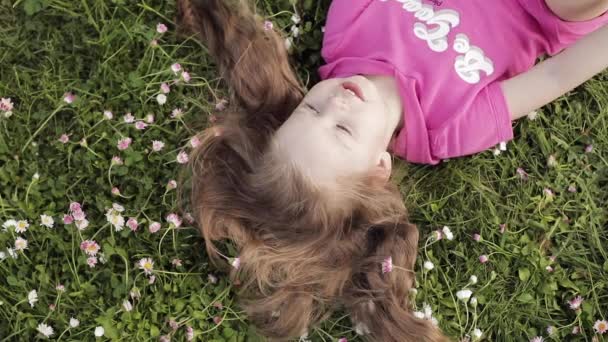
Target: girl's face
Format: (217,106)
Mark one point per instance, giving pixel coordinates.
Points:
(334,132)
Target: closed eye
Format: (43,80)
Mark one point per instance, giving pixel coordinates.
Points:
(344,129)
(340,127)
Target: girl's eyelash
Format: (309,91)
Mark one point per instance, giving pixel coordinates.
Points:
(311,107)
(343,128)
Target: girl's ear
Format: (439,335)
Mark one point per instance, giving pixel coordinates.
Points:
(383,168)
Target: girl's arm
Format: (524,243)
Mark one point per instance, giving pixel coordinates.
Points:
(555,76)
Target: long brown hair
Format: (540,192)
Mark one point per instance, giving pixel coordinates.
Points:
(303,252)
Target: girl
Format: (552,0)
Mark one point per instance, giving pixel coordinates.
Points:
(298,179)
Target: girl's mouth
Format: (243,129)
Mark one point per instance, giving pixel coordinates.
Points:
(354,88)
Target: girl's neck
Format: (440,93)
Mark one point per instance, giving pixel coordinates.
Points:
(389,88)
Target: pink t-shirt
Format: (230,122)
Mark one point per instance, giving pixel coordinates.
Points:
(448,58)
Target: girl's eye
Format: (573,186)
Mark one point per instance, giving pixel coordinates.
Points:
(312,108)
(344,129)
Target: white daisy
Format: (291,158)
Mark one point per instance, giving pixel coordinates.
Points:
(99,331)
(20,243)
(32,297)
(74,322)
(45,330)
(47,220)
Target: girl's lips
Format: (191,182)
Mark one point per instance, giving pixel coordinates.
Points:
(354,88)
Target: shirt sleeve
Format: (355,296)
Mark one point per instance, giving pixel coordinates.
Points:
(478,126)
(559,33)
(341,15)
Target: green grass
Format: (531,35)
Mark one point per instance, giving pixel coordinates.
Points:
(100,51)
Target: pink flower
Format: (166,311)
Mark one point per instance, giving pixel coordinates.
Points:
(572,188)
(176,67)
(172,184)
(483,259)
(503,227)
(218,305)
(189,218)
(176,113)
(140,125)
(152,279)
(124,143)
(600,326)
(576,330)
(387,264)
(108,115)
(189,333)
(149,118)
(75,206)
(438,235)
(221,105)
(195,141)
(176,262)
(6,104)
(92,261)
(129,118)
(64,138)
(164,87)
(132,223)
(185,76)
(115,191)
(90,247)
(522,174)
(268,25)
(343,339)
(552,258)
(154,43)
(477,237)
(217,320)
(182,157)
(548,192)
(52,307)
(67,219)
(79,215)
(173,324)
(161,28)
(589,149)
(60,288)
(69,97)
(175,219)
(549,268)
(154,227)
(116,160)
(157,145)
(576,302)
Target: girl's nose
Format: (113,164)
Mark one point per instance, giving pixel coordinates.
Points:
(337,102)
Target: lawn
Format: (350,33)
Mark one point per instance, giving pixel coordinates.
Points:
(93,141)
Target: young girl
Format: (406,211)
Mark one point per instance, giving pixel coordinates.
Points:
(298,179)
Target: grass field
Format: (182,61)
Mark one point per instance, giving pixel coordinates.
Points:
(540,208)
